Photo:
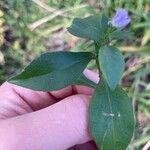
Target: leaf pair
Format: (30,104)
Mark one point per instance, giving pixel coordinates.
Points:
(110,59)
(54,71)
(95,28)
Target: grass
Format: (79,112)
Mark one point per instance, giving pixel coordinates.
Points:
(30,27)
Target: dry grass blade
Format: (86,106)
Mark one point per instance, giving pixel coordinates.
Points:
(133,49)
(137,66)
(147,146)
(55,14)
(48,8)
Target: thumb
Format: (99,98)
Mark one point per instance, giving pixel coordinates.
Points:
(56,127)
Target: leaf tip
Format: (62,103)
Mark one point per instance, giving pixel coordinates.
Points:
(111,85)
(12,80)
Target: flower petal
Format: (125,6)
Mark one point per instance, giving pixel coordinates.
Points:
(121,18)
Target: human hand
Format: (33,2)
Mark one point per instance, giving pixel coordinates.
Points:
(33,120)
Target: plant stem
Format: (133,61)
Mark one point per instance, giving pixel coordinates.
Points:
(97,47)
(97,62)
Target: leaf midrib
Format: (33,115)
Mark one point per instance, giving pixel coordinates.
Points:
(108,95)
(88,27)
(53,71)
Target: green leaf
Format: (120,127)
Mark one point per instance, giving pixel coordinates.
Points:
(53,71)
(103,23)
(92,27)
(120,35)
(83,80)
(111,118)
(111,64)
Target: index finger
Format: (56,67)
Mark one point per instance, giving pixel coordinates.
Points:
(37,99)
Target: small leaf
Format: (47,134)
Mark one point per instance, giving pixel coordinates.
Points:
(53,71)
(104,23)
(83,80)
(92,27)
(120,35)
(111,64)
(111,118)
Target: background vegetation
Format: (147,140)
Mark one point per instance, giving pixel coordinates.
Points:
(30,27)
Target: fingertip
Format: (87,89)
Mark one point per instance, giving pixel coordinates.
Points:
(93,76)
(79,89)
(59,126)
(62,93)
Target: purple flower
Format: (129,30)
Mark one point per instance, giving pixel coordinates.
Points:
(121,18)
